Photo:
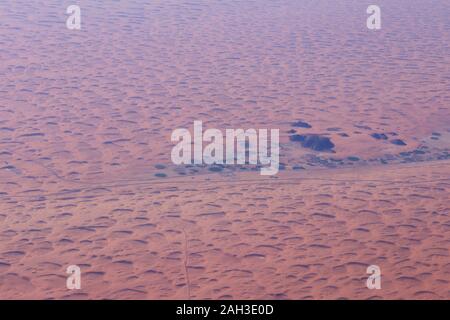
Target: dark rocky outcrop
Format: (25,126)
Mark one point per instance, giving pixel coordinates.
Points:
(398,142)
(313,141)
(301,124)
(379,136)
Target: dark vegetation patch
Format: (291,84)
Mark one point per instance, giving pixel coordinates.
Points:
(334,129)
(216,168)
(363,127)
(160,175)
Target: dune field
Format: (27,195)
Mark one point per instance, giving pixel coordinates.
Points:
(86,176)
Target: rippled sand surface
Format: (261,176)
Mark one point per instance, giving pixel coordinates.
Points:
(86,177)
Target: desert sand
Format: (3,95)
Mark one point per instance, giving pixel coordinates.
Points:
(86,177)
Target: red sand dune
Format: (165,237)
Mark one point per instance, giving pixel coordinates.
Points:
(86,177)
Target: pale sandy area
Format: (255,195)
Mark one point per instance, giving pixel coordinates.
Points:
(299,236)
